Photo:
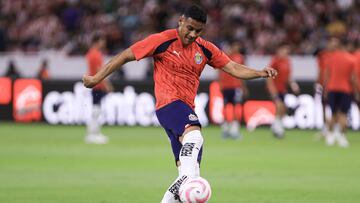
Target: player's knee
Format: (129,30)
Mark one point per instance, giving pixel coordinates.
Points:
(193,136)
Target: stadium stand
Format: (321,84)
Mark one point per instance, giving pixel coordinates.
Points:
(68,25)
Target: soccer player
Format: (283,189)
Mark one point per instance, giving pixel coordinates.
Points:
(94,59)
(278,87)
(179,58)
(340,83)
(233,91)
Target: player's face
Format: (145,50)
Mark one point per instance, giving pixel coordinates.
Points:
(102,43)
(189,30)
(333,43)
(284,51)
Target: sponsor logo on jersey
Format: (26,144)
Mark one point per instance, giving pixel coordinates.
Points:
(193,117)
(176,53)
(198,58)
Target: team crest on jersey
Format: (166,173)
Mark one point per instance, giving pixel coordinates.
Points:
(198,58)
(193,117)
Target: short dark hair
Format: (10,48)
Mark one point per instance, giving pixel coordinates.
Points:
(97,37)
(197,13)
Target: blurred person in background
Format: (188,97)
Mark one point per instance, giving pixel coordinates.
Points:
(43,73)
(180,56)
(340,83)
(279,87)
(234,91)
(322,56)
(12,71)
(95,60)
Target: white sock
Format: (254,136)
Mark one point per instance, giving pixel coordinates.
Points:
(337,128)
(325,130)
(172,193)
(234,129)
(93,125)
(197,170)
(277,125)
(192,144)
(225,127)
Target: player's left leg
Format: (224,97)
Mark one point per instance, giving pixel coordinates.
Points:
(277,126)
(228,118)
(345,104)
(236,118)
(231,125)
(94,135)
(227,110)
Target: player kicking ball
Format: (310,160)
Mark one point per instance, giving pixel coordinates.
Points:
(180,56)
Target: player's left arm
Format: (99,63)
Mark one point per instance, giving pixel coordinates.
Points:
(243,72)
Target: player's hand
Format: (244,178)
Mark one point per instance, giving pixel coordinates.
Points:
(89,81)
(269,73)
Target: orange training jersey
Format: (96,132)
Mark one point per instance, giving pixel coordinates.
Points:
(321,59)
(94,59)
(282,65)
(177,68)
(226,80)
(341,65)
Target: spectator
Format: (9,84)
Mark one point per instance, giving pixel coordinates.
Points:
(340,83)
(278,87)
(39,25)
(44,71)
(12,71)
(234,91)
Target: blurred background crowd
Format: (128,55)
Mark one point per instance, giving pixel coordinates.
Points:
(68,25)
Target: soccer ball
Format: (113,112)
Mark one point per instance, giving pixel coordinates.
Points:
(195,190)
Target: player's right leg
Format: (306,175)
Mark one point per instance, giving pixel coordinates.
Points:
(179,120)
(333,129)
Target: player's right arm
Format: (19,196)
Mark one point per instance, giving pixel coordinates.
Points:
(115,63)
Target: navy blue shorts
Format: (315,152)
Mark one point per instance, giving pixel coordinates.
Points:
(339,101)
(174,118)
(97,95)
(232,95)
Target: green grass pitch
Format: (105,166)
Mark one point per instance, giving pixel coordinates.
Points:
(40,163)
